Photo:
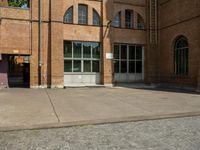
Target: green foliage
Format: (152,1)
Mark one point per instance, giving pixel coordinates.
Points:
(17,3)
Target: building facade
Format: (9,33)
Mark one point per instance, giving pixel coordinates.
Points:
(90,42)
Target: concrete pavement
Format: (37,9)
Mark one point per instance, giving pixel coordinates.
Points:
(45,108)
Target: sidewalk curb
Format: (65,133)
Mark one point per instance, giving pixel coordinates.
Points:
(99,122)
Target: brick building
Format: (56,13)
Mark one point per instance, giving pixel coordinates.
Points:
(51,43)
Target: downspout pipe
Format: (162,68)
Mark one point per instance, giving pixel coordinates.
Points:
(40,45)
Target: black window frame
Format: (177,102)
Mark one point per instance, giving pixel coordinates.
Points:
(181,56)
(129,22)
(136,58)
(94,60)
(117,23)
(70,9)
(86,15)
(95,13)
(140,22)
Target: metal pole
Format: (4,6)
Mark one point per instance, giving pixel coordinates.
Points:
(40,45)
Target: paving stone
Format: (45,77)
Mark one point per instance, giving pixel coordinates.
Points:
(167,134)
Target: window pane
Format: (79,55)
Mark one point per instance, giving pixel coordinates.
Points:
(186,61)
(95,66)
(68,18)
(131,66)
(67,49)
(132,52)
(68,66)
(177,62)
(181,52)
(123,66)
(77,49)
(140,22)
(77,66)
(82,14)
(96,19)
(139,67)
(86,50)
(116,51)
(139,52)
(96,50)
(117,20)
(182,62)
(123,52)
(87,66)
(116,66)
(129,19)
(182,43)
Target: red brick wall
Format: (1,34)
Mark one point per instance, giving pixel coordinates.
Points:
(3,3)
(178,18)
(3,73)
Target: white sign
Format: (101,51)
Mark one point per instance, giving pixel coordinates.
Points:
(15,51)
(109,55)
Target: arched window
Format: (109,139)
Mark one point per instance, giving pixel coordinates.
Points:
(140,22)
(68,17)
(96,18)
(117,20)
(82,14)
(181,56)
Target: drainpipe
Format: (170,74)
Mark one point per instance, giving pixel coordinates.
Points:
(40,45)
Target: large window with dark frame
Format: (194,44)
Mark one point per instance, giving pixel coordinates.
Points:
(82,14)
(181,56)
(128,58)
(68,17)
(81,57)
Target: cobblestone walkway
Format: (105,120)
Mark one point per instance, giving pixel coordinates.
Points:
(168,134)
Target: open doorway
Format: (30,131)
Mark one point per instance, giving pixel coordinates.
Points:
(18,71)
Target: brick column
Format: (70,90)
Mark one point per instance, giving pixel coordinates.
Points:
(135,20)
(152,47)
(107,42)
(34,45)
(57,58)
(123,18)
(75,13)
(90,15)
(34,58)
